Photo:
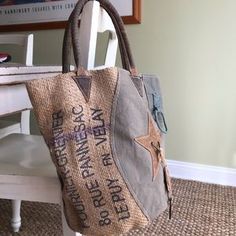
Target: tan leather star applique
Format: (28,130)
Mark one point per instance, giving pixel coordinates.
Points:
(151,142)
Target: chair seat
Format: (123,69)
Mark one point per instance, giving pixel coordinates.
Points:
(25,155)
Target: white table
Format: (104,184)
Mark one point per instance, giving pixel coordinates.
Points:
(12,77)
(11,73)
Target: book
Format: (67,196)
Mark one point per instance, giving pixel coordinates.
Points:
(4,57)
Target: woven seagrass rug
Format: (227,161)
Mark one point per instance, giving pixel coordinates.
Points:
(198,209)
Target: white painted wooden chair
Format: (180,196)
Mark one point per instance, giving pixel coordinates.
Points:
(26,171)
(25,41)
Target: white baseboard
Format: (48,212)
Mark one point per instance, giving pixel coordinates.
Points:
(203,173)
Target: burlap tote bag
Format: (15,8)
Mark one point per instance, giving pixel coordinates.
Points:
(102,139)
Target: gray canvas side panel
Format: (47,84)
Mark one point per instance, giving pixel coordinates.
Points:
(155,102)
(130,120)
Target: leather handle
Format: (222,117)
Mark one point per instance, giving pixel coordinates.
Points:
(71,37)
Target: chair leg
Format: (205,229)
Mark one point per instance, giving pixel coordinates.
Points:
(16,219)
(25,121)
(66,230)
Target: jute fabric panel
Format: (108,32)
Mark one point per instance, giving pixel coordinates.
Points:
(97,200)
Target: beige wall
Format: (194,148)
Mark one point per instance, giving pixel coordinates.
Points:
(191,45)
